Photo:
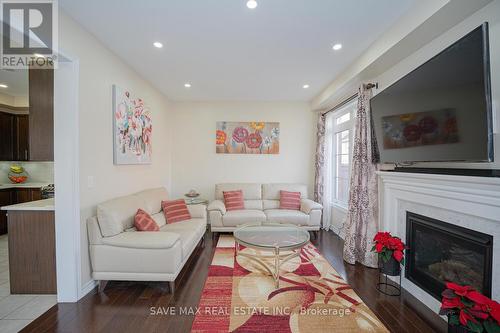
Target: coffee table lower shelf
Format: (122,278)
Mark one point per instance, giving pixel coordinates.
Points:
(279,259)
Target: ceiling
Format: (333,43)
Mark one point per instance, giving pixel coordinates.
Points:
(228,52)
(16,80)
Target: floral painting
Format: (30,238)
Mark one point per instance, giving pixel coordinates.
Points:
(247,138)
(132,129)
(420,129)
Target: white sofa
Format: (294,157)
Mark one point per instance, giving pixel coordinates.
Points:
(262,202)
(119,252)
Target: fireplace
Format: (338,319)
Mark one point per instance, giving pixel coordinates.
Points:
(440,252)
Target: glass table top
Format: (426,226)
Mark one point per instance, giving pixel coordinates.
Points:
(271,236)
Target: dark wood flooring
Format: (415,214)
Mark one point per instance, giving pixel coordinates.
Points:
(125,306)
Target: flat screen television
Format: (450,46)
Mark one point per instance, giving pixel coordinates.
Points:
(442,110)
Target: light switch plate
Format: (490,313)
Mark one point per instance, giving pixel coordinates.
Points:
(90,181)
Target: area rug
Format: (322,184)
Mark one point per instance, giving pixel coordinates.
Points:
(240,296)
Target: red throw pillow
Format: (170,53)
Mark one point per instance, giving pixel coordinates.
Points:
(233,200)
(289,200)
(175,210)
(144,222)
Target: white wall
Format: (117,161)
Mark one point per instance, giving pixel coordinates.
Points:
(491,14)
(196,165)
(99,70)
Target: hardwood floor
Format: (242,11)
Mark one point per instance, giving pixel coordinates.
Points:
(125,306)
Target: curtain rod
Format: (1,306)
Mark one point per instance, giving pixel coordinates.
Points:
(351,98)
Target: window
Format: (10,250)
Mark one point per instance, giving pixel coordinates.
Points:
(340,129)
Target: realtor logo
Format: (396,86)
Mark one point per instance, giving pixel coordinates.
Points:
(29,34)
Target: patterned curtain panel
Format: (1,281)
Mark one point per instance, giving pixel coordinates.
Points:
(322,175)
(362,217)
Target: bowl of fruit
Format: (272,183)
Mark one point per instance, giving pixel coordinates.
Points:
(17,174)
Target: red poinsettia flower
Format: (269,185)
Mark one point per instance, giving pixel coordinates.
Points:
(398,255)
(494,310)
(387,245)
(477,298)
(476,312)
(458,289)
(470,307)
(465,317)
(382,236)
(451,303)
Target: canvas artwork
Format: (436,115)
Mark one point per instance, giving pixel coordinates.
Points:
(247,138)
(420,129)
(132,129)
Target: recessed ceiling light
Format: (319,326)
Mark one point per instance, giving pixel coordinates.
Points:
(3,86)
(337,46)
(187,85)
(252,4)
(305,86)
(158,45)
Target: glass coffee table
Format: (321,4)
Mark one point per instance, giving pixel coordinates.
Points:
(283,241)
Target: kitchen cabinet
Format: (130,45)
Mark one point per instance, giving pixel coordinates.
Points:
(6,136)
(21,136)
(26,194)
(41,115)
(13,196)
(14,134)
(27,134)
(32,252)
(5,200)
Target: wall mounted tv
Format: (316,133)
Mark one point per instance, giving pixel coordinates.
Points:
(441,111)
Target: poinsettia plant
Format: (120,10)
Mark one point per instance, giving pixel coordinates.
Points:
(388,246)
(465,306)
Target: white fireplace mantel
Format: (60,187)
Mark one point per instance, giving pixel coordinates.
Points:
(469,202)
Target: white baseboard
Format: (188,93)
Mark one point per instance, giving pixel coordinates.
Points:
(88,287)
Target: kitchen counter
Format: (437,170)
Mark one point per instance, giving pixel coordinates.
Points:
(23,185)
(38,205)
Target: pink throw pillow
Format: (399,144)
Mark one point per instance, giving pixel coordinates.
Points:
(289,200)
(175,210)
(233,200)
(144,222)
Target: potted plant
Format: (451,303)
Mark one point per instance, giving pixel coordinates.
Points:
(469,310)
(390,253)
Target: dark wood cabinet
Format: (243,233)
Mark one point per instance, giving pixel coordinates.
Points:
(14,135)
(22,138)
(6,136)
(14,196)
(41,119)
(27,194)
(27,134)
(5,200)
(32,252)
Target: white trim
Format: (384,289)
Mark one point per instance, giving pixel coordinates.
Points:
(470,202)
(66,179)
(87,288)
(331,132)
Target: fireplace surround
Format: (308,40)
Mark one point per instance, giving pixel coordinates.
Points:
(440,252)
(469,202)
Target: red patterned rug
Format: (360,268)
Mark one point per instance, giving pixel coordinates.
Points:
(240,296)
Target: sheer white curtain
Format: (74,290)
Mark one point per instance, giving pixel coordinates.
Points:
(323,168)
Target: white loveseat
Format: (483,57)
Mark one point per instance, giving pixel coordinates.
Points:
(262,202)
(119,252)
